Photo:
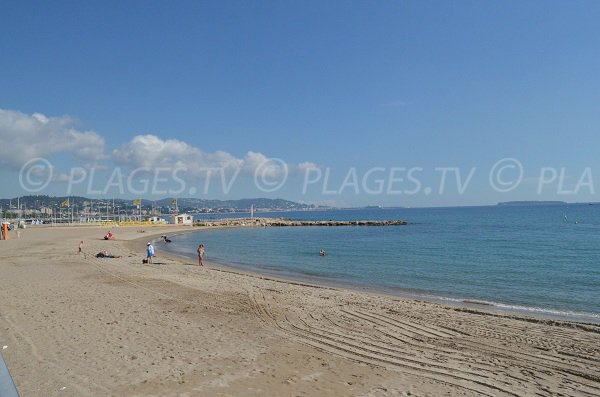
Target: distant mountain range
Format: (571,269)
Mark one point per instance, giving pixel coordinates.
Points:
(183,204)
(241,204)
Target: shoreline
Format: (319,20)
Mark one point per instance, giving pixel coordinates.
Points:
(476,305)
(81,326)
(528,313)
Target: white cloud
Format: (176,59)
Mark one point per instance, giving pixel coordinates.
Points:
(151,152)
(303,167)
(24,137)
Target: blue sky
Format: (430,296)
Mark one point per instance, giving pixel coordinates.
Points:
(326,88)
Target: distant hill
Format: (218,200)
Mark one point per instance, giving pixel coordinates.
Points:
(533,203)
(183,204)
(242,204)
(36,202)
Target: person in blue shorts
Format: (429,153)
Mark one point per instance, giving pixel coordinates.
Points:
(149,252)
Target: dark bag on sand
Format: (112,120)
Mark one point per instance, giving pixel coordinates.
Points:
(144,260)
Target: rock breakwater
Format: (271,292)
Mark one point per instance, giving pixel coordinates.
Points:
(272,222)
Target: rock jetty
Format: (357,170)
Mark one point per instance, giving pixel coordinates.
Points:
(264,222)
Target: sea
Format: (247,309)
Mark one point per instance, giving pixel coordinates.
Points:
(535,259)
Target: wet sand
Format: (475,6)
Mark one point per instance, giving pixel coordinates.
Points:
(81,326)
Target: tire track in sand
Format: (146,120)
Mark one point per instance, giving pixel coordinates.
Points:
(358,351)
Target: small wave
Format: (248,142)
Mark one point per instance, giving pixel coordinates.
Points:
(553,312)
(518,308)
(476,302)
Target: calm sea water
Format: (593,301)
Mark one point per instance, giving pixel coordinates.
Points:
(543,259)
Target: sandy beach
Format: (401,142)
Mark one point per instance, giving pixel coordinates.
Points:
(76,325)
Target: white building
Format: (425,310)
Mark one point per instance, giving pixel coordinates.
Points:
(182,219)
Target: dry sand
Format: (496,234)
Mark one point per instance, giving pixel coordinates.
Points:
(78,326)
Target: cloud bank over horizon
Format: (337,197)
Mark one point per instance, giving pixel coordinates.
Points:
(25,137)
(150,151)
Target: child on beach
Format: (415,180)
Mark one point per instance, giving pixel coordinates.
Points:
(201,255)
(80,247)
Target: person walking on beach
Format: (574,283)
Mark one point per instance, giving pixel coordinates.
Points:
(201,255)
(149,253)
(80,247)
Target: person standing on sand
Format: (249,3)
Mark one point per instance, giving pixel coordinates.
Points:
(201,255)
(149,253)
(80,247)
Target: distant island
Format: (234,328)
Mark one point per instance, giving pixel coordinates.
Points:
(532,203)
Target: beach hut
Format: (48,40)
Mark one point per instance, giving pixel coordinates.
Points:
(156,220)
(182,219)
